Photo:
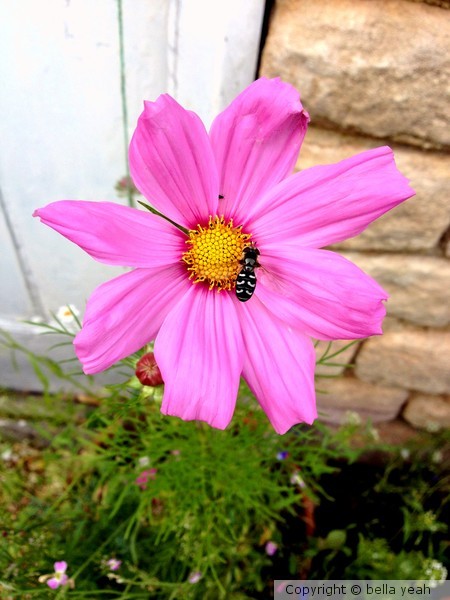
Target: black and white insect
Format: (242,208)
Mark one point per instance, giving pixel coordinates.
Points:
(246,280)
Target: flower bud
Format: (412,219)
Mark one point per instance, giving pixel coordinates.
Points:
(147,371)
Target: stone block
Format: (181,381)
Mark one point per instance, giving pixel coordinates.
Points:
(338,398)
(431,413)
(380,67)
(412,358)
(418,285)
(396,432)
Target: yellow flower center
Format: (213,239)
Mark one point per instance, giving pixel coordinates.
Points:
(215,252)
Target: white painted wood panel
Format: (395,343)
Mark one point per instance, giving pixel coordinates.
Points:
(13,293)
(62,129)
(214,51)
(74,74)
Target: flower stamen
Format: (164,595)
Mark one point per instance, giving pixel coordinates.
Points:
(215,252)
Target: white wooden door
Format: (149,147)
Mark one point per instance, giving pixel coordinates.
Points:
(73,76)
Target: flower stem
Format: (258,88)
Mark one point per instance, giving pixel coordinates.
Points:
(156,212)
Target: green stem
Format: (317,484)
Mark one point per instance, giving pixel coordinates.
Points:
(156,212)
(100,548)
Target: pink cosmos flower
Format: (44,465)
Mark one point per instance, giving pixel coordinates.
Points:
(221,193)
(59,576)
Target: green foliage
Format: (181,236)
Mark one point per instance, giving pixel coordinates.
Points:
(213,502)
(376,560)
(188,510)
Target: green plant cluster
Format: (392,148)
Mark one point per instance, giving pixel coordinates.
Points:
(189,510)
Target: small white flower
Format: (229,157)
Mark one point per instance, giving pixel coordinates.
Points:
(352,418)
(374,434)
(429,521)
(67,314)
(435,572)
(195,577)
(405,453)
(36,319)
(7,455)
(144,461)
(297,479)
(437,457)
(432,426)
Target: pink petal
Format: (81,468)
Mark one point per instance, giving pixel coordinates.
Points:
(200,355)
(327,204)
(60,567)
(53,583)
(124,314)
(320,292)
(115,234)
(195,577)
(271,548)
(256,142)
(279,367)
(172,163)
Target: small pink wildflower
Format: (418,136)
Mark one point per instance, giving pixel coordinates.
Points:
(195,577)
(271,548)
(113,564)
(144,477)
(223,194)
(144,461)
(59,576)
(67,314)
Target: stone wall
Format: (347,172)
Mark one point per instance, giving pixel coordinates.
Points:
(373,72)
